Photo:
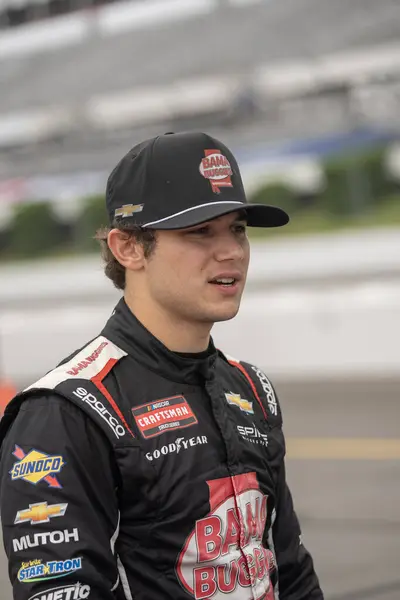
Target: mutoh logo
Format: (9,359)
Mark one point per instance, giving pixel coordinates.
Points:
(47,537)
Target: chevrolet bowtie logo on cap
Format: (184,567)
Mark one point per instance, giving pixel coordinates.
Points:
(127,210)
(40,512)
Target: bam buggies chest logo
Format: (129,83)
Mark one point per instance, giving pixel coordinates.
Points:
(225,555)
(37,570)
(36,466)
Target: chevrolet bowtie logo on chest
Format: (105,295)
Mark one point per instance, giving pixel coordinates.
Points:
(127,210)
(41,512)
(240,402)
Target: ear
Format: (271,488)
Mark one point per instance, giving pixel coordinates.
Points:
(127,251)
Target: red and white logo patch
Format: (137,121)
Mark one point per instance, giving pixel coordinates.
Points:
(224,554)
(216,168)
(155,418)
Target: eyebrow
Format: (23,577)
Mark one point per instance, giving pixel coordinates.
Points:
(242,216)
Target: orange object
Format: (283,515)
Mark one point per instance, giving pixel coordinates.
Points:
(7,392)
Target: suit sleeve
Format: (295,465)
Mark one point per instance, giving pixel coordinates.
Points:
(297,578)
(58,503)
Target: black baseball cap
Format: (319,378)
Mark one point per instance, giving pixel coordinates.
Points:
(178,180)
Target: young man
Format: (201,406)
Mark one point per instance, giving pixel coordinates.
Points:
(149,465)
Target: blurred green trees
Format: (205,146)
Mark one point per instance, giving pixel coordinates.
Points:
(357,190)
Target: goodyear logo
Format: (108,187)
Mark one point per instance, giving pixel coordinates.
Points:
(127,210)
(243,404)
(36,466)
(37,570)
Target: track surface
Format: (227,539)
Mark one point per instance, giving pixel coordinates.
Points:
(349,507)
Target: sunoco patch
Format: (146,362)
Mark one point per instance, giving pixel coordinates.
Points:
(36,466)
(155,418)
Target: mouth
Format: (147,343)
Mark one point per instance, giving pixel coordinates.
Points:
(225,280)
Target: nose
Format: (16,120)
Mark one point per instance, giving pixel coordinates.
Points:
(229,247)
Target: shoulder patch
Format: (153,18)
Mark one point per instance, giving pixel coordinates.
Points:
(93,361)
(80,381)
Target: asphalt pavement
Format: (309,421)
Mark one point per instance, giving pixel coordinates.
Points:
(343,468)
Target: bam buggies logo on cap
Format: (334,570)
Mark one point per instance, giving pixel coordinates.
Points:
(36,466)
(217,169)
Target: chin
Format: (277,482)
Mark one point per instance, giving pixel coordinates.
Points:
(224,315)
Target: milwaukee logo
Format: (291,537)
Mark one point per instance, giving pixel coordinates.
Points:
(88,360)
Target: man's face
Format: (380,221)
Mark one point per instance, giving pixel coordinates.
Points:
(184,273)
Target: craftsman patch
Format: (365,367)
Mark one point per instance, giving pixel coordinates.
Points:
(155,418)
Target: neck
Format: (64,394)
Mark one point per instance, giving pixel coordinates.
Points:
(176,334)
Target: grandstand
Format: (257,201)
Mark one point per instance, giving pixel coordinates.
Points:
(81,88)
(14,13)
(114,55)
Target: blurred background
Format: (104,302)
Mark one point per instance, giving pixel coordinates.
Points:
(307,95)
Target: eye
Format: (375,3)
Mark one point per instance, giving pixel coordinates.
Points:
(199,231)
(240,228)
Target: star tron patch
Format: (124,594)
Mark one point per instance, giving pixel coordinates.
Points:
(237,400)
(37,570)
(155,418)
(36,466)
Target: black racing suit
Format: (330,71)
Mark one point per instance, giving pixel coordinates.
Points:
(133,472)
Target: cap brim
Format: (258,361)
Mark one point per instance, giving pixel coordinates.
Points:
(258,215)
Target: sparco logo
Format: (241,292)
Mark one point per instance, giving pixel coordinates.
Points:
(177,446)
(253,435)
(225,555)
(71,592)
(49,537)
(269,392)
(101,410)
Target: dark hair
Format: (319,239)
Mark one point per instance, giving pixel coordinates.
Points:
(112,268)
